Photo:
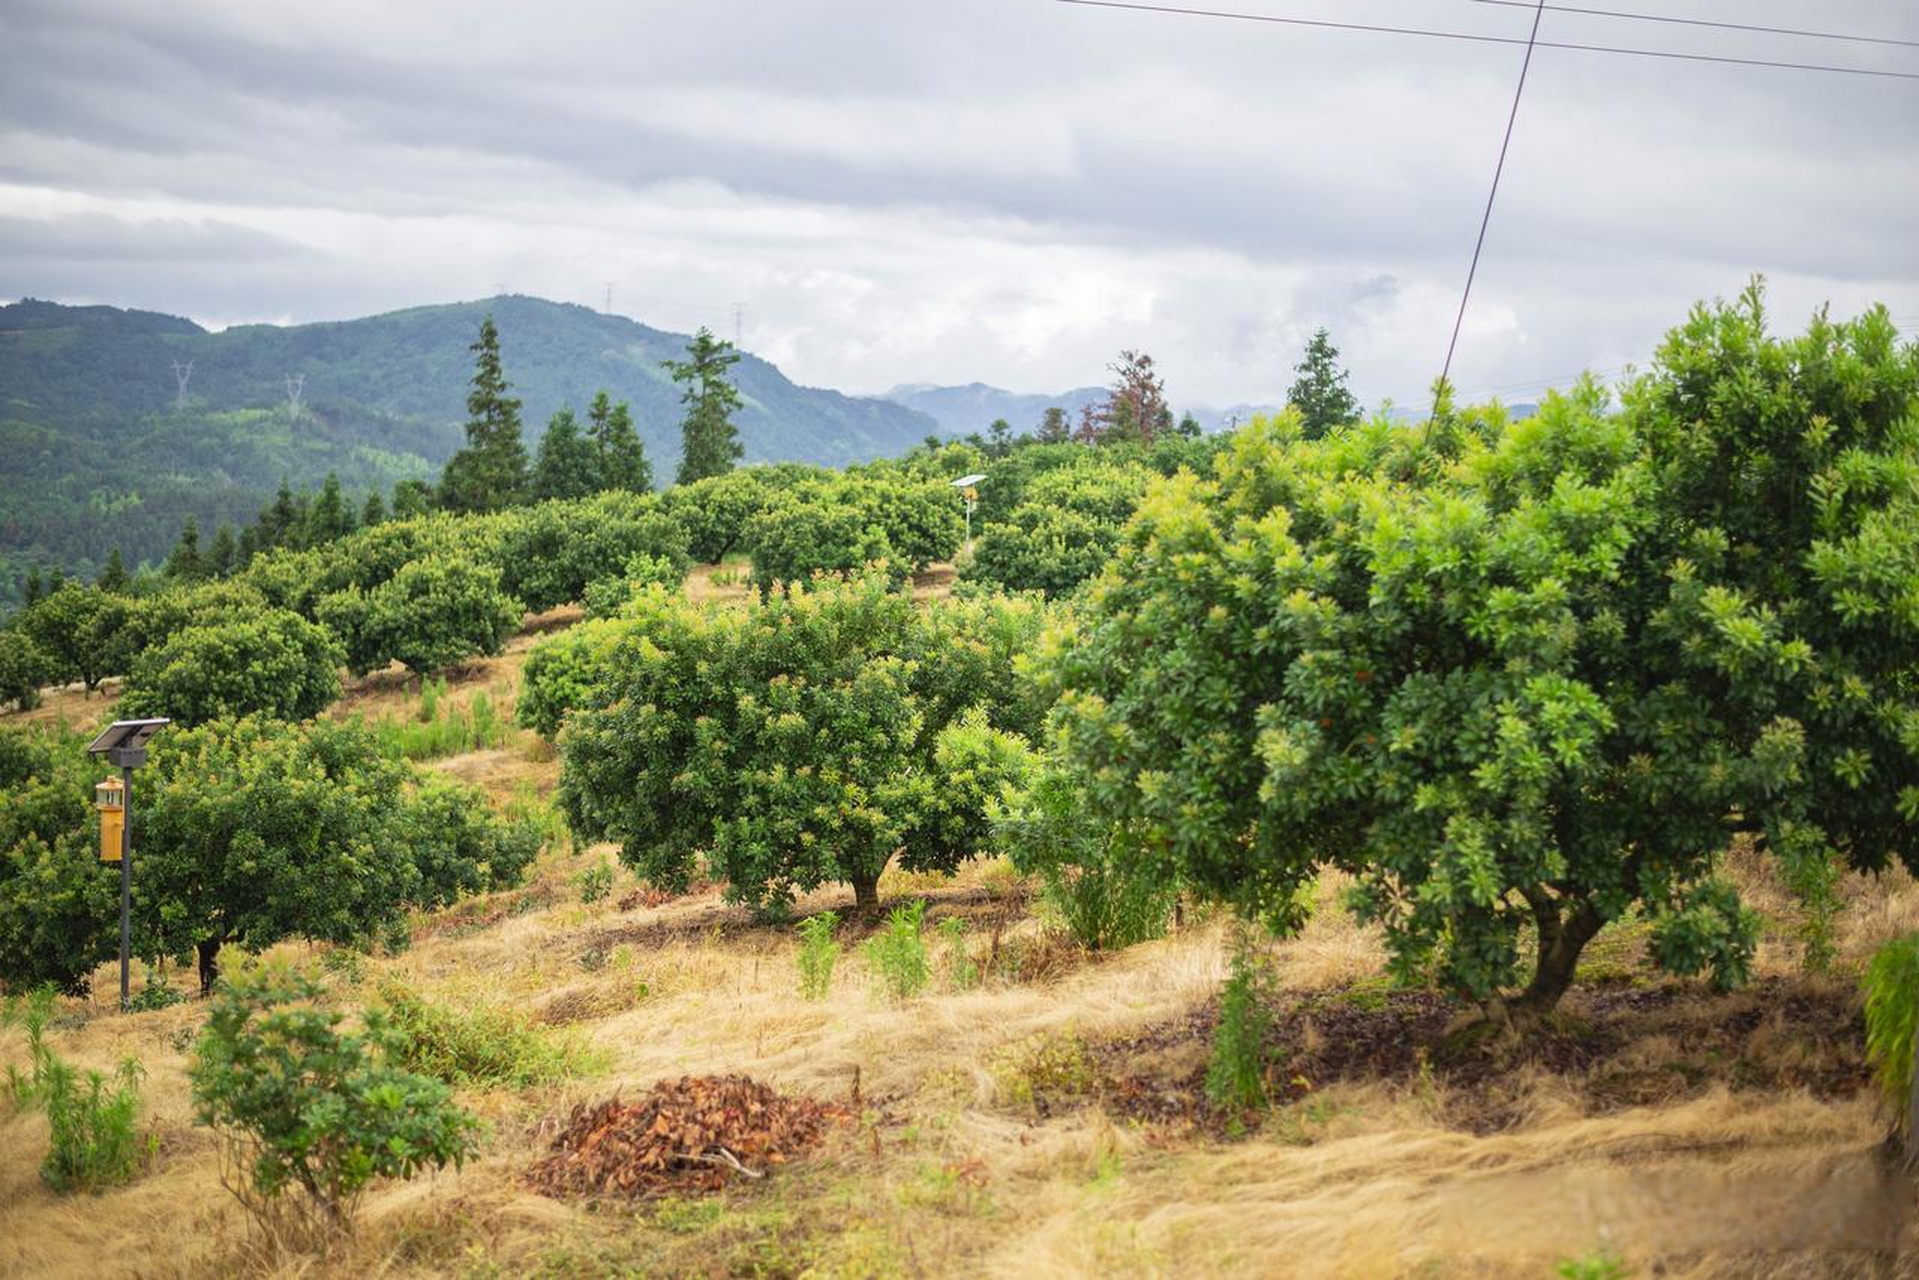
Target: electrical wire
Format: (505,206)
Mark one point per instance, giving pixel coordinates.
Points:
(1539,12)
(1707,22)
(1671,55)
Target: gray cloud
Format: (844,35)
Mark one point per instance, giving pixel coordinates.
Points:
(1007,190)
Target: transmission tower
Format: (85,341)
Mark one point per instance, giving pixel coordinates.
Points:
(296,392)
(182,374)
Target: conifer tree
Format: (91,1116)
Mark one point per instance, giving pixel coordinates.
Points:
(223,554)
(490,473)
(622,458)
(1319,393)
(184,563)
(281,522)
(411,498)
(1052,426)
(709,442)
(330,517)
(1135,408)
(114,577)
(30,595)
(568,464)
(374,512)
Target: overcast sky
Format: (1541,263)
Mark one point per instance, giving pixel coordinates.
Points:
(1001,190)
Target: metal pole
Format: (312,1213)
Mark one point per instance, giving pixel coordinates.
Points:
(126,885)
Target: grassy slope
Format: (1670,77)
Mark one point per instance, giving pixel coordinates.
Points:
(1714,1136)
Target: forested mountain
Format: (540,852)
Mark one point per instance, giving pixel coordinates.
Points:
(100,449)
(973,407)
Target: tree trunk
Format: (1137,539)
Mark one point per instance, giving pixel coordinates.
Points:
(1560,942)
(866,894)
(208,952)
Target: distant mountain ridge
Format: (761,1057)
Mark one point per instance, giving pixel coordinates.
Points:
(98,455)
(963,410)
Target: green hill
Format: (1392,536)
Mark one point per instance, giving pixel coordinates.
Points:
(98,455)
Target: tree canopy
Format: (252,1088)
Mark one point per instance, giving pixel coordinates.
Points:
(709,443)
(1517,678)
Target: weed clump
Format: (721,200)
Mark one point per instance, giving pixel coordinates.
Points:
(483,1046)
(309,1109)
(90,1116)
(897,953)
(819,952)
(1236,1075)
(1043,1071)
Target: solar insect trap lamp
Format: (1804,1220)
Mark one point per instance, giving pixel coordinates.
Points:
(969,490)
(124,744)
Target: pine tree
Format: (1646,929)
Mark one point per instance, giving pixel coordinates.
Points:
(490,473)
(1320,392)
(330,517)
(31,593)
(114,577)
(1052,426)
(223,554)
(709,442)
(183,562)
(411,498)
(1189,426)
(568,465)
(374,512)
(622,457)
(280,523)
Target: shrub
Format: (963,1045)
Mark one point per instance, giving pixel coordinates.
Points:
(608,597)
(714,511)
(24,667)
(55,897)
(793,539)
(819,952)
(962,971)
(478,1046)
(561,671)
(1104,902)
(429,615)
(805,739)
(1519,677)
(1062,532)
(311,1109)
(90,1119)
(253,831)
(897,953)
(77,629)
(275,664)
(595,882)
(1236,1074)
(1892,1006)
(550,553)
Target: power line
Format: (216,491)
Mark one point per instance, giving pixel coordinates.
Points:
(1671,55)
(1706,22)
(1539,12)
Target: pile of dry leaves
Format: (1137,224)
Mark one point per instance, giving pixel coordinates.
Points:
(690,1134)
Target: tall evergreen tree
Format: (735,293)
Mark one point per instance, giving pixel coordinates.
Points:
(568,465)
(280,523)
(223,553)
(184,563)
(1319,393)
(31,593)
(1053,428)
(491,471)
(330,517)
(114,577)
(374,512)
(622,457)
(709,443)
(411,498)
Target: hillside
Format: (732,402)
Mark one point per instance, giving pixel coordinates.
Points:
(973,407)
(98,455)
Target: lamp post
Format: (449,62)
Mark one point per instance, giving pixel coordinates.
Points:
(969,490)
(124,744)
